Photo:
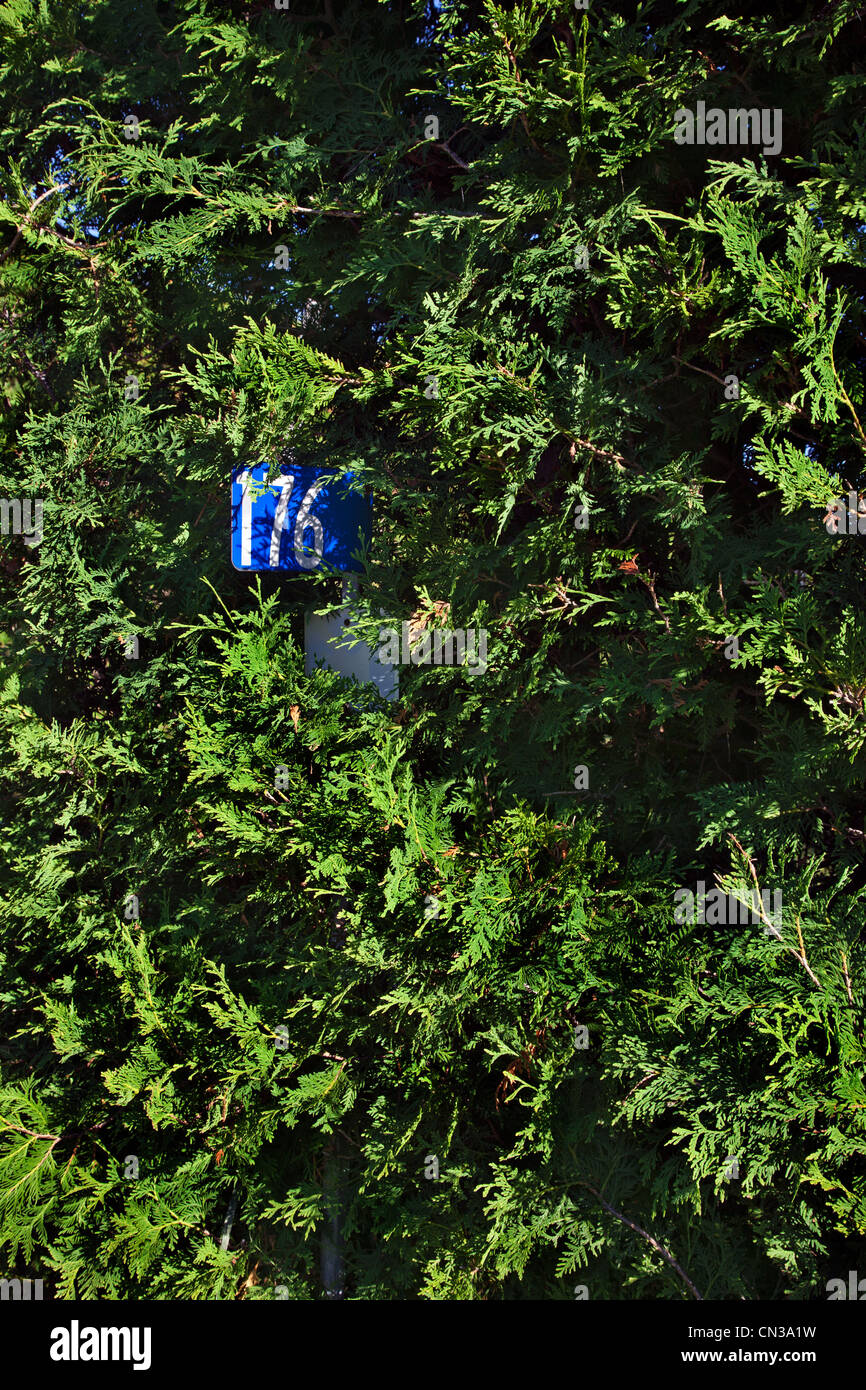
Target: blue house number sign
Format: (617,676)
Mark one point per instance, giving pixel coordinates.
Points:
(304,521)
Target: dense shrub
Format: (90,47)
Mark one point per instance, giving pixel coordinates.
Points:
(603,387)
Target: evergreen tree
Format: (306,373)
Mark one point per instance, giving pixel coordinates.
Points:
(276,953)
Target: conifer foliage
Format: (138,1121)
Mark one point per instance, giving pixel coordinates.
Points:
(279,957)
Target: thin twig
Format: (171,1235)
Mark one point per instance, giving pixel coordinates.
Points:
(39,377)
(847,980)
(443,145)
(604,453)
(702,370)
(323,212)
(665,1254)
(846,398)
(771,927)
(648,1077)
(651,586)
(517,78)
(58,188)
(20,1129)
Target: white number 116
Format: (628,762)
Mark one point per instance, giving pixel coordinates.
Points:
(307,556)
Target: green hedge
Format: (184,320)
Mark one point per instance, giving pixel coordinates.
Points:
(604,388)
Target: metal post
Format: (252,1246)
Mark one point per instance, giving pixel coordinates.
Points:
(332,1265)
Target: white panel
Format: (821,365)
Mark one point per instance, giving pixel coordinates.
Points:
(359,661)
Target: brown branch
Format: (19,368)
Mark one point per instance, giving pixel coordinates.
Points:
(847,980)
(523,120)
(702,370)
(58,188)
(21,1129)
(319,212)
(665,1254)
(771,927)
(651,586)
(604,453)
(722,594)
(326,18)
(13,243)
(640,1083)
(846,398)
(443,145)
(38,376)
